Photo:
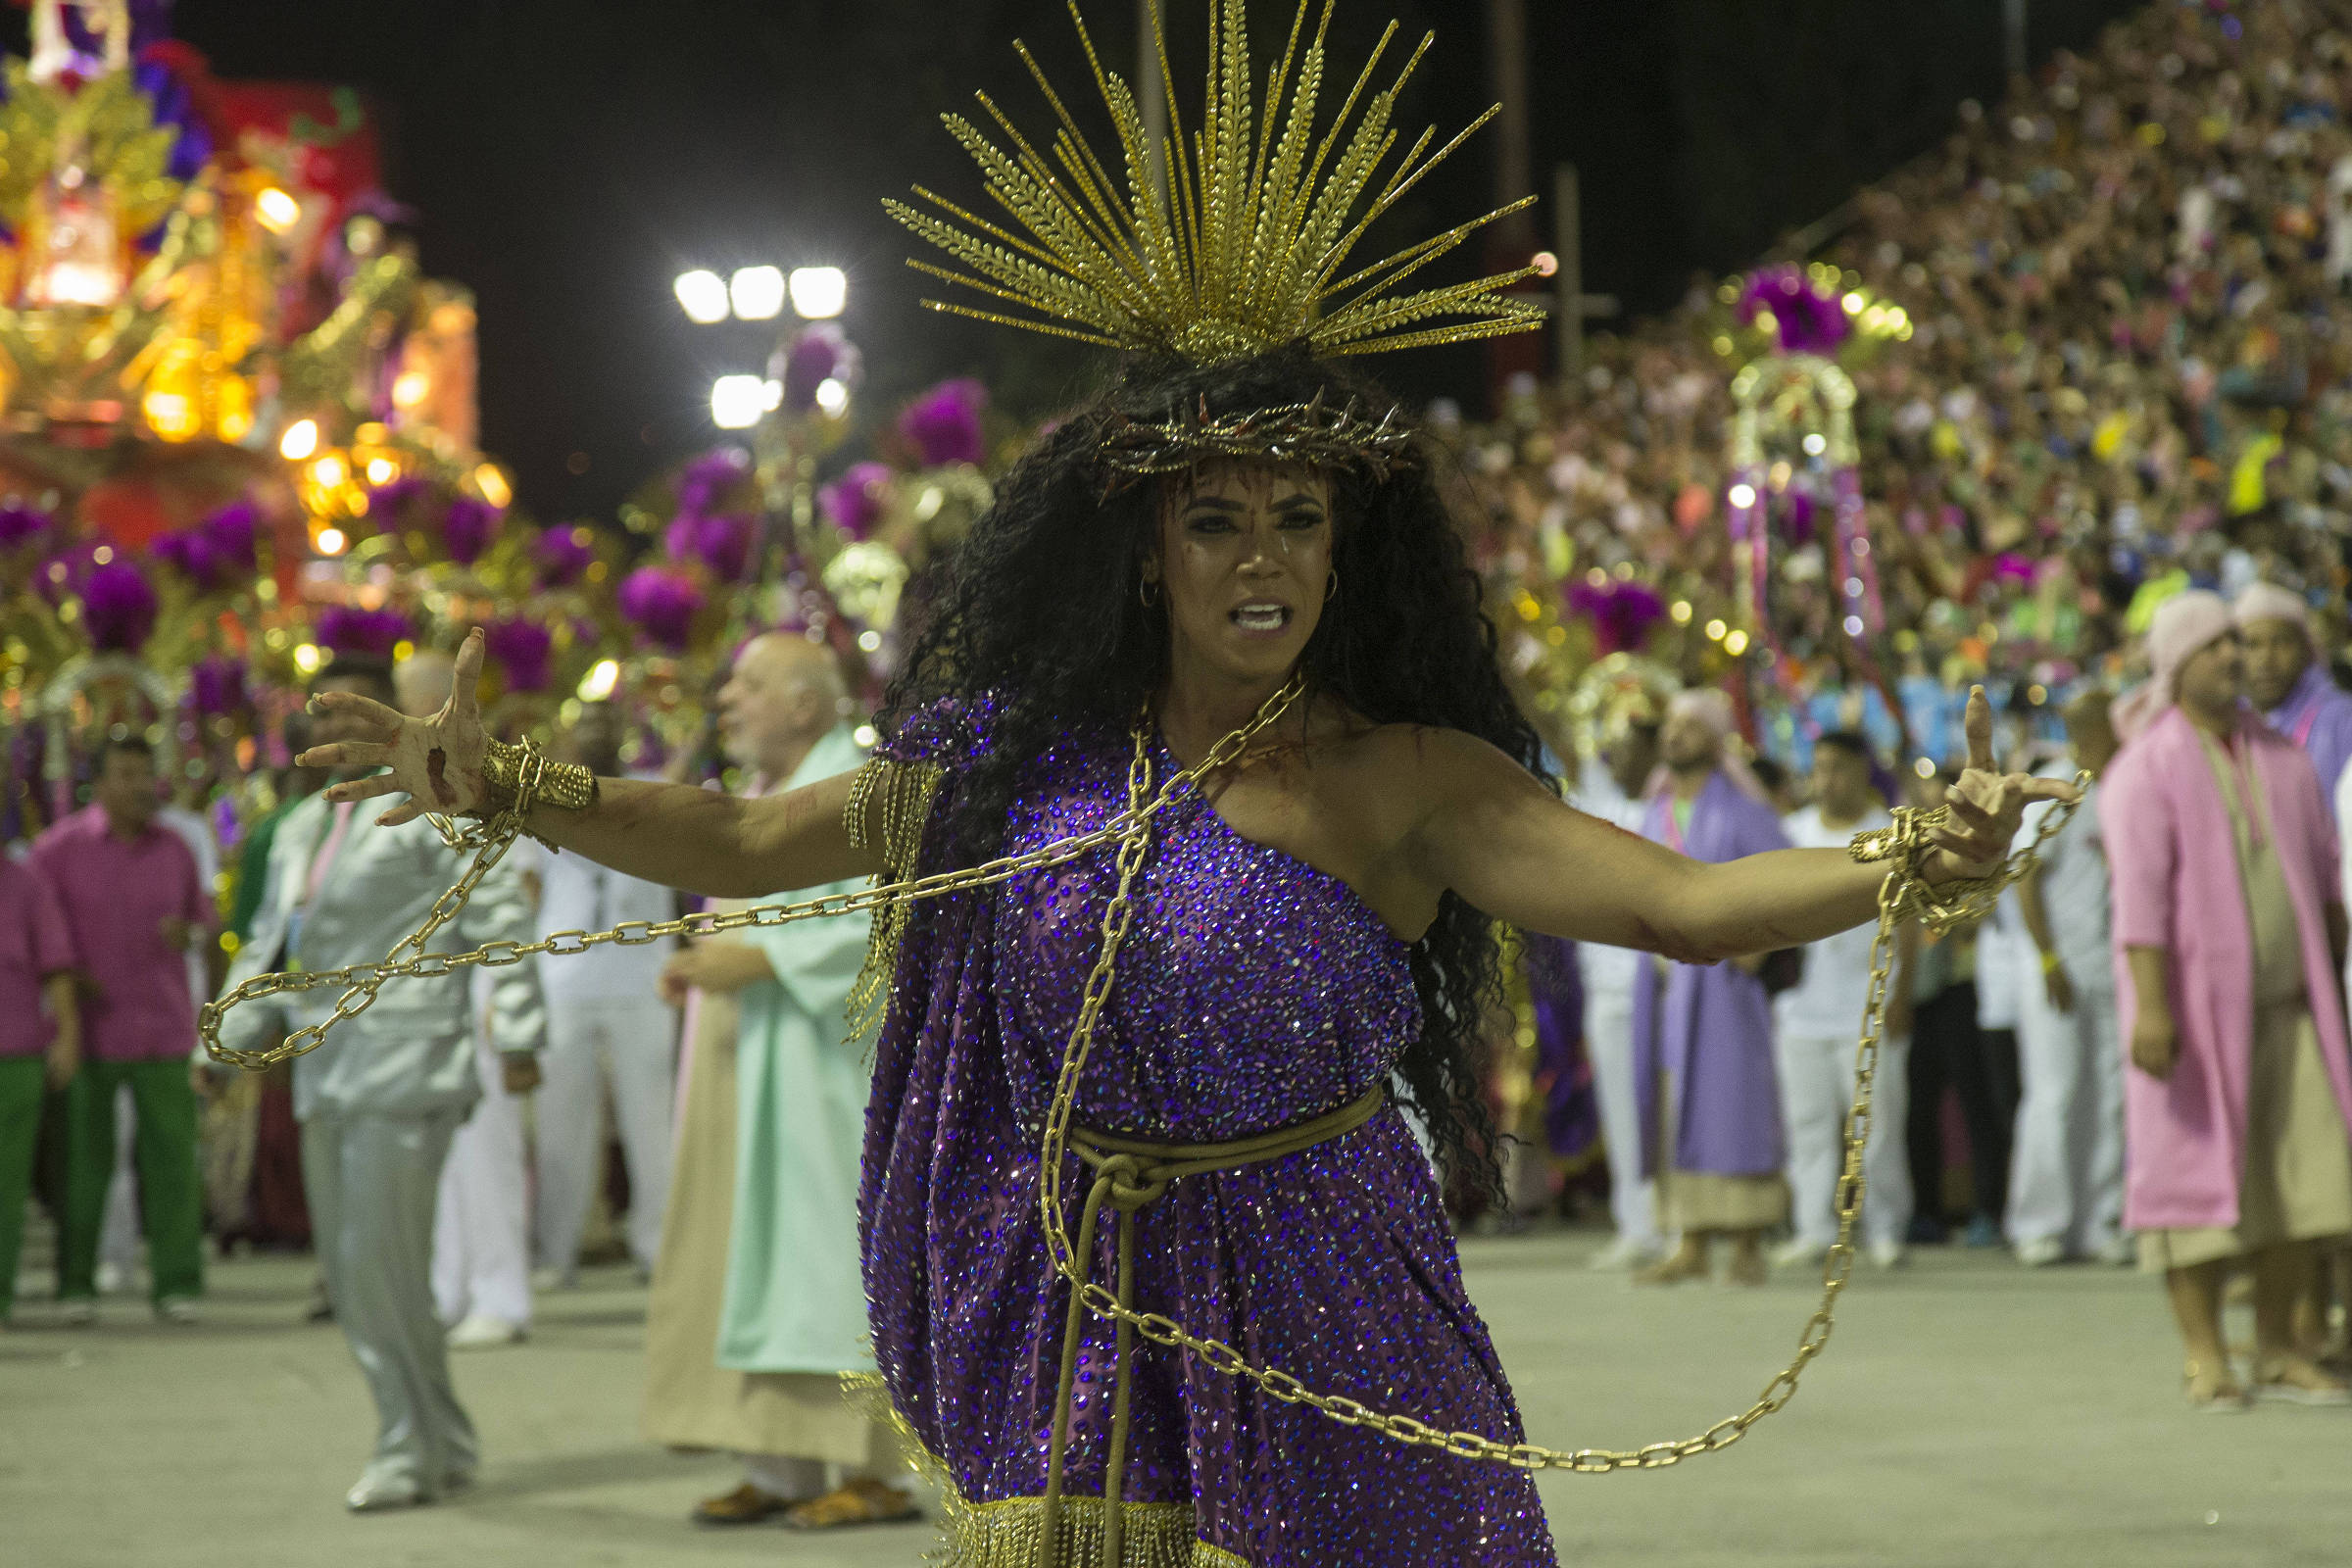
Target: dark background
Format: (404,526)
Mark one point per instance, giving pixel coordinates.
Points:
(569,158)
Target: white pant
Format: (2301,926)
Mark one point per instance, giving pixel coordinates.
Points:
(2066,1178)
(1609,1041)
(632,1044)
(1817,1091)
(481,1246)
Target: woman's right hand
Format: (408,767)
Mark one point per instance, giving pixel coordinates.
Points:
(436,761)
(2155,1042)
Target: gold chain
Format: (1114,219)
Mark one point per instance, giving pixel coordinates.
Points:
(1131,831)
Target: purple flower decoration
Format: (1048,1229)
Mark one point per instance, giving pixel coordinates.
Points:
(521,648)
(708,477)
(944,423)
(563,554)
(64,575)
(467,527)
(854,501)
(195,555)
(217,685)
(820,353)
(661,601)
(1621,613)
(349,629)
(724,544)
(20,524)
(387,502)
(1808,315)
(231,531)
(118,607)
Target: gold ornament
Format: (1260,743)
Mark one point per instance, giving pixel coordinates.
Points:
(1239,249)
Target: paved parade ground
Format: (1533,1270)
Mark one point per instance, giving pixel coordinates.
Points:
(1967,1413)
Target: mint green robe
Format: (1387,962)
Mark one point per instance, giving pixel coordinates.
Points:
(795,1299)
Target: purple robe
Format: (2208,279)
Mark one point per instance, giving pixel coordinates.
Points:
(2317,715)
(1254,991)
(1563,1070)
(1709,1026)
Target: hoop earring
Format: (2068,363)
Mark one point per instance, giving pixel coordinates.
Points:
(1147,592)
(1330,589)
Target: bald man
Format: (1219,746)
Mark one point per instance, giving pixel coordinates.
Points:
(481,1227)
(759,1306)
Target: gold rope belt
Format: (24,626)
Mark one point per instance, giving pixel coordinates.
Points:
(1131,1174)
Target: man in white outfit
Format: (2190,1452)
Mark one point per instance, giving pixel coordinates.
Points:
(1815,1028)
(1612,787)
(2066,1183)
(481,1226)
(607,1025)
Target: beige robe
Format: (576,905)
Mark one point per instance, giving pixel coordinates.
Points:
(691,1401)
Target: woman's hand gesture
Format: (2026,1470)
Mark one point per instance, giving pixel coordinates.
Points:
(1988,807)
(436,761)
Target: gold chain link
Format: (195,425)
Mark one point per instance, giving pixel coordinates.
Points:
(1131,831)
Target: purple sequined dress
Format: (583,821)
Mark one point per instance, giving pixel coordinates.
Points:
(1253,992)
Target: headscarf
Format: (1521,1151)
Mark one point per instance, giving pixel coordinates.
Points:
(1711,707)
(2267,601)
(2187,623)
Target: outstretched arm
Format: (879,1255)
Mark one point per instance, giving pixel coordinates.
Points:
(672,834)
(1499,839)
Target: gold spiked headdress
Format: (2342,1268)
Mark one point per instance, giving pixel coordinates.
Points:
(1239,250)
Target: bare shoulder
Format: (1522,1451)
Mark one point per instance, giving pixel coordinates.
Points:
(1419,765)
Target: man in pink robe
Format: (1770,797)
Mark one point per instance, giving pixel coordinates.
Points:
(2226,941)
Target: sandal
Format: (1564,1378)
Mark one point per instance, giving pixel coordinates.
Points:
(2213,1393)
(1677,1266)
(2292,1379)
(862,1500)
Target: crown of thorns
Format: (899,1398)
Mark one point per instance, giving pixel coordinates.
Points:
(1291,432)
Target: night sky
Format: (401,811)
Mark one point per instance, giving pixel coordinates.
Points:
(567,158)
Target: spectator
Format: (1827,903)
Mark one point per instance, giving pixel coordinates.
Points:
(2288,680)
(1817,1025)
(40,1040)
(134,902)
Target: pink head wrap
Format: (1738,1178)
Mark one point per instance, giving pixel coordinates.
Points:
(2186,623)
(2267,601)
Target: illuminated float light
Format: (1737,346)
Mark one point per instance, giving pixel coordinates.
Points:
(757,293)
(1742,496)
(330,471)
(1735,642)
(703,295)
(491,480)
(832,396)
(382,470)
(1815,444)
(1852,304)
(1853,625)
(330,541)
(1925,767)
(598,683)
(170,414)
(737,401)
(410,388)
(771,394)
(818,293)
(1715,631)
(306,658)
(300,440)
(276,210)
(865,735)
(1680,612)
(1546,263)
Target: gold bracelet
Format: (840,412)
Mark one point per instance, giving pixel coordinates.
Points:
(523,774)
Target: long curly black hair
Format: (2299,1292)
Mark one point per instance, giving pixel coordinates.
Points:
(1040,609)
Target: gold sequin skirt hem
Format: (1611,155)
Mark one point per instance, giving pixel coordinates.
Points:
(1006,1534)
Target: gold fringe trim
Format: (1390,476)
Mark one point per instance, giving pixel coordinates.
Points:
(889,806)
(1007,1534)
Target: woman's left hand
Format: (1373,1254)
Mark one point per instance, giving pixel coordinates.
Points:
(1986,808)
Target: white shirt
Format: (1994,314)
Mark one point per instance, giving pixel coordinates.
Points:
(1603,968)
(575,894)
(1826,1002)
(2075,890)
(197,834)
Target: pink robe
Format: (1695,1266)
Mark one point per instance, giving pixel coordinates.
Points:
(2177,887)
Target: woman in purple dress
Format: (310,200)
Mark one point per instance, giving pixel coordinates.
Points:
(1236,555)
